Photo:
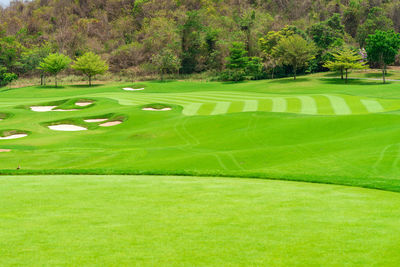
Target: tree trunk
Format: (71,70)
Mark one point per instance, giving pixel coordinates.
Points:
(346,75)
(272,74)
(341,74)
(55,80)
(90,80)
(383,73)
(41,79)
(294,71)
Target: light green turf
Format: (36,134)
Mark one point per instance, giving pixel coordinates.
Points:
(182,221)
(311,129)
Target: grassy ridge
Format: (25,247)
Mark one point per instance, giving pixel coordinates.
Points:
(360,148)
(121,220)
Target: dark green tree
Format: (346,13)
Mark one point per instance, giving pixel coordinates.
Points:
(382,48)
(236,63)
(376,20)
(191,42)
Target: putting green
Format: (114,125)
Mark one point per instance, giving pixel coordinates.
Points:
(186,221)
(311,129)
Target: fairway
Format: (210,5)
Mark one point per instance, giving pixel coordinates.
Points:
(308,130)
(181,221)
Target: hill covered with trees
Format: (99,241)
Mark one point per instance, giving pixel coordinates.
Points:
(190,36)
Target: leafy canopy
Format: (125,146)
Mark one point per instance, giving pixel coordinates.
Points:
(90,64)
(295,51)
(54,63)
(346,59)
(382,47)
(166,61)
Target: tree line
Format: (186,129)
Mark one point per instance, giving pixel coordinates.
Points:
(235,39)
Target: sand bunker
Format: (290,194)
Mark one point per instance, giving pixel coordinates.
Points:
(5,150)
(42,108)
(67,128)
(14,136)
(157,109)
(110,123)
(132,89)
(95,120)
(64,109)
(83,103)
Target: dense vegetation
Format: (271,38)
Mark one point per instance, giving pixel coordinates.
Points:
(172,36)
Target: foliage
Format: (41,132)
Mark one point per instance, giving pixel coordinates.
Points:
(54,63)
(236,65)
(90,65)
(295,52)
(6,77)
(346,60)
(376,20)
(328,33)
(382,47)
(166,62)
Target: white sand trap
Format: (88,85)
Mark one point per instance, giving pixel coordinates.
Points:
(110,123)
(67,128)
(42,108)
(14,136)
(5,150)
(63,110)
(157,109)
(132,89)
(83,103)
(95,120)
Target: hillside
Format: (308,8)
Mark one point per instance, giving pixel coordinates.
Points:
(128,33)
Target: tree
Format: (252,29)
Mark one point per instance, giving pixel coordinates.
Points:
(327,33)
(6,77)
(345,60)
(90,65)
(54,64)
(376,20)
(382,47)
(295,51)
(267,45)
(191,42)
(236,63)
(166,62)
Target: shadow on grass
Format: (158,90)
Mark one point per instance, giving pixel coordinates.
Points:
(290,80)
(354,81)
(162,81)
(377,75)
(85,85)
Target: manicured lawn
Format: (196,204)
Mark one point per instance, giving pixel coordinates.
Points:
(312,129)
(191,221)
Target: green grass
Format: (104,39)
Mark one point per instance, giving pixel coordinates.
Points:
(312,129)
(182,221)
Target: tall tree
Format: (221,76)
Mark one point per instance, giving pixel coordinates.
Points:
(191,42)
(90,65)
(376,20)
(54,64)
(382,47)
(295,52)
(236,65)
(166,62)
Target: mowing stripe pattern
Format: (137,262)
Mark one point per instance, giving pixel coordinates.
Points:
(217,103)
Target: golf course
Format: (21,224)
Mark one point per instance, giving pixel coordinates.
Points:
(201,173)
